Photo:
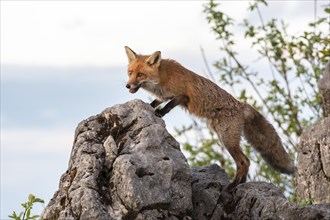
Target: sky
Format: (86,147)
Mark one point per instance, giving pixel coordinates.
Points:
(63,61)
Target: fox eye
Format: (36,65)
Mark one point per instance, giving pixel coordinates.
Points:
(129,73)
(140,74)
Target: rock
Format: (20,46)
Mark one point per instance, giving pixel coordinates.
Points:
(207,184)
(260,200)
(254,200)
(324,87)
(313,168)
(125,165)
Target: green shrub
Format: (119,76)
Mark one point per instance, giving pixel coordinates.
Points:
(26,214)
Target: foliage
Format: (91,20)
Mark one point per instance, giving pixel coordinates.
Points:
(26,214)
(288,96)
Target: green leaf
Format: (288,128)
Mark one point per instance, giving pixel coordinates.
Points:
(13,216)
(28,213)
(39,200)
(31,197)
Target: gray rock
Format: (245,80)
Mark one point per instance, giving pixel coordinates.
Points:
(207,184)
(254,200)
(313,169)
(125,165)
(260,200)
(324,86)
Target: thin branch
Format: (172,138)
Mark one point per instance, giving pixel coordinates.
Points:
(208,69)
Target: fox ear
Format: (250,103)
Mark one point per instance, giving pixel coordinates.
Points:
(154,59)
(131,55)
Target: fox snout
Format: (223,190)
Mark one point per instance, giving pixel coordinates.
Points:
(132,88)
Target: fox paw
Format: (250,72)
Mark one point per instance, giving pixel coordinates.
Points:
(158,113)
(231,186)
(235,183)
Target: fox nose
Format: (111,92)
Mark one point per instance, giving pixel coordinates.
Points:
(128,86)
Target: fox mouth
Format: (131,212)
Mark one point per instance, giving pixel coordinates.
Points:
(134,89)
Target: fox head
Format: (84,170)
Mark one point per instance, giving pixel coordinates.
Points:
(142,70)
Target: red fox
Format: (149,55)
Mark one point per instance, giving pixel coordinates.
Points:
(228,117)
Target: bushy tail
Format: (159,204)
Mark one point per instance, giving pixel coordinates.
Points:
(263,137)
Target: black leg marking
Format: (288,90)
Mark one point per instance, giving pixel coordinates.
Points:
(180,100)
(156,103)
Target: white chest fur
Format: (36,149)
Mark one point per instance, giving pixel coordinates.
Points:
(157,90)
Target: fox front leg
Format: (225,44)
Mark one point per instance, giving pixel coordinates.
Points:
(179,100)
(156,103)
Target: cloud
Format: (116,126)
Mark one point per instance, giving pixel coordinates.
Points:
(40,96)
(32,161)
(36,140)
(94,33)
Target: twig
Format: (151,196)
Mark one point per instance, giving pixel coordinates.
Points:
(208,69)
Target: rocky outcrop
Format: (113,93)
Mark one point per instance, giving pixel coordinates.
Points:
(313,169)
(125,165)
(313,173)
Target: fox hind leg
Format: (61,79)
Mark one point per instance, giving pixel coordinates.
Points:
(242,166)
(230,136)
